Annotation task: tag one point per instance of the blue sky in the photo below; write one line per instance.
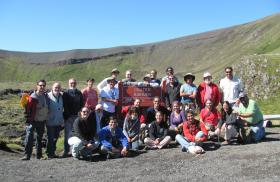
(55, 25)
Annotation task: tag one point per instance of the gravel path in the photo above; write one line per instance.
(254, 162)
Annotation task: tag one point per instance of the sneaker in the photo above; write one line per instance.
(226, 142)
(184, 149)
(25, 158)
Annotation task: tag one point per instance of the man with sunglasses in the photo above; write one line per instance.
(231, 86)
(37, 115)
(72, 103)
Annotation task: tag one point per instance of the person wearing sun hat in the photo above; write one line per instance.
(251, 116)
(147, 82)
(207, 90)
(188, 91)
(114, 74)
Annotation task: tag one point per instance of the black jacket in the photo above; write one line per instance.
(158, 130)
(72, 102)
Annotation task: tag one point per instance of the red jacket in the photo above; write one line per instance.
(31, 109)
(140, 116)
(190, 130)
(215, 95)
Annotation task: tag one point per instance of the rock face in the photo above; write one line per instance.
(260, 75)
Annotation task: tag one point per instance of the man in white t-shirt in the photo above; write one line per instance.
(231, 86)
(109, 96)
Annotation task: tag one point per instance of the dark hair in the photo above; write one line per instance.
(228, 67)
(44, 81)
(169, 68)
(189, 111)
(132, 109)
(90, 79)
(223, 112)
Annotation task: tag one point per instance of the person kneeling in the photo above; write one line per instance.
(82, 141)
(194, 134)
(113, 141)
(158, 130)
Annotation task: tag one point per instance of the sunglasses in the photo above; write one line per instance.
(41, 85)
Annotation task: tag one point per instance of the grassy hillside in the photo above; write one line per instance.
(197, 53)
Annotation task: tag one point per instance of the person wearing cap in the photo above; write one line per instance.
(188, 91)
(207, 90)
(251, 116)
(169, 71)
(153, 76)
(72, 102)
(231, 86)
(114, 74)
(147, 82)
(90, 95)
(128, 77)
(109, 96)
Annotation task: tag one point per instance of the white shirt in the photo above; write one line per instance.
(109, 94)
(231, 88)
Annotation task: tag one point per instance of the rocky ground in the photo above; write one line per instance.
(253, 162)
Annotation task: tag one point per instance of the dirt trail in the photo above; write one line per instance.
(254, 162)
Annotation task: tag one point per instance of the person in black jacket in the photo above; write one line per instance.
(72, 103)
(83, 137)
(158, 130)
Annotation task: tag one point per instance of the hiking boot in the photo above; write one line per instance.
(184, 149)
(25, 158)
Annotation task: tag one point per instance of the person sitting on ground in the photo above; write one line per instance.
(136, 103)
(128, 77)
(90, 95)
(100, 119)
(188, 92)
(207, 90)
(227, 124)
(169, 71)
(194, 134)
(37, 115)
(172, 92)
(251, 116)
(151, 111)
(55, 120)
(158, 133)
(114, 74)
(109, 96)
(131, 128)
(83, 140)
(210, 117)
(72, 102)
(113, 142)
(147, 82)
(153, 76)
(176, 120)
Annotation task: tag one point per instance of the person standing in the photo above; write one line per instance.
(55, 119)
(231, 86)
(188, 92)
(114, 74)
(128, 77)
(73, 103)
(109, 96)
(172, 92)
(37, 115)
(90, 95)
(153, 76)
(207, 90)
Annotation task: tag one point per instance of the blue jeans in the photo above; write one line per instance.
(68, 127)
(53, 134)
(184, 142)
(133, 145)
(39, 127)
(258, 131)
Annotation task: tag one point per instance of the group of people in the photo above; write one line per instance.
(94, 125)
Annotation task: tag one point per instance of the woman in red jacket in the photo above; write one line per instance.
(194, 132)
